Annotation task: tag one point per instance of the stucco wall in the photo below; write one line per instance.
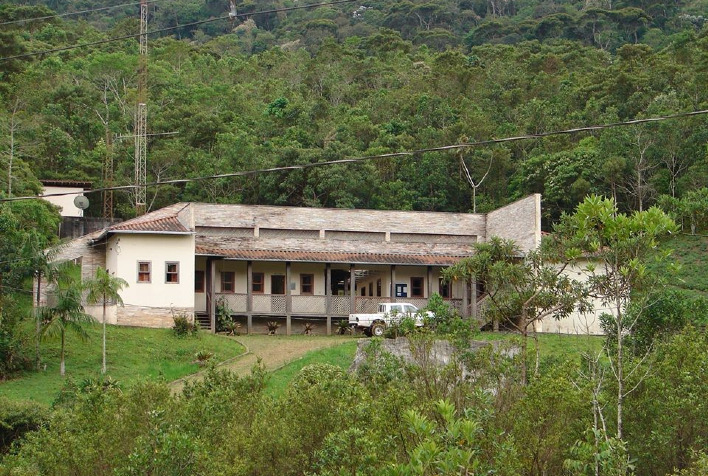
(519, 221)
(124, 251)
(578, 323)
(66, 202)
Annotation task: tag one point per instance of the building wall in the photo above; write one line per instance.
(578, 323)
(65, 202)
(151, 303)
(519, 221)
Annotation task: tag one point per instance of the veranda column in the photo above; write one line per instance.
(249, 296)
(474, 300)
(288, 299)
(211, 284)
(352, 289)
(328, 297)
(430, 282)
(465, 298)
(392, 291)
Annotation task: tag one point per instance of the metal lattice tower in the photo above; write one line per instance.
(141, 117)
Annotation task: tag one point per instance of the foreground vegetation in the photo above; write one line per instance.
(388, 418)
(134, 354)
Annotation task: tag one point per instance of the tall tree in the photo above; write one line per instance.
(104, 289)
(621, 246)
(523, 289)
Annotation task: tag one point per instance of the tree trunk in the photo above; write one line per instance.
(620, 371)
(524, 350)
(38, 330)
(62, 366)
(103, 368)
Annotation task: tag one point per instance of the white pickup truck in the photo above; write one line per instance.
(389, 312)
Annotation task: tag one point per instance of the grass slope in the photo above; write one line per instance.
(691, 253)
(341, 356)
(554, 348)
(132, 354)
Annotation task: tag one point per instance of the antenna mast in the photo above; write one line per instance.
(141, 117)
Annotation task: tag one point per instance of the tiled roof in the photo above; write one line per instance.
(356, 220)
(328, 257)
(333, 251)
(166, 219)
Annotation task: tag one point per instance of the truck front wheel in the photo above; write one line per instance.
(377, 329)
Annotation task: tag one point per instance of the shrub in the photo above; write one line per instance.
(202, 357)
(224, 320)
(272, 327)
(16, 419)
(184, 325)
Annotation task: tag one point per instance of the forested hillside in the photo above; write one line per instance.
(361, 79)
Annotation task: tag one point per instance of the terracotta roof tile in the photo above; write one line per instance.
(163, 220)
(328, 257)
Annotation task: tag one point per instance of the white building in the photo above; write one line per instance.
(287, 263)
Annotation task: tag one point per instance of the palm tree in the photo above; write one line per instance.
(104, 289)
(66, 314)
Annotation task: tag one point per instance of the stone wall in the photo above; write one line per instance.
(519, 221)
(143, 316)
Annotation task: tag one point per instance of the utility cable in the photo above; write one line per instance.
(170, 28)
(411, 153)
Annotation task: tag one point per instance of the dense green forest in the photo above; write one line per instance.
(302, 86)
(327, 83)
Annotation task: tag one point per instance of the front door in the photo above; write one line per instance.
(277, 284)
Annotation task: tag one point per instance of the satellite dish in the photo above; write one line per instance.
(81, 202)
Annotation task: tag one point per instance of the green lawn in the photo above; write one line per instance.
(690, 252)
(341, 355)
(132, 354)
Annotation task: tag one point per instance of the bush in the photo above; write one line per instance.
(185, 325)
(16, 419)
(224, 320)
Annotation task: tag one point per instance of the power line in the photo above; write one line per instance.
(170, 28)
(411, 153)
(81, 12)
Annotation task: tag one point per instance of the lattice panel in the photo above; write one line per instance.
(340, 305)
(417, 302)
(367, 305)
(277, 304)
(309, 304)
(261, 303)
(236, 302)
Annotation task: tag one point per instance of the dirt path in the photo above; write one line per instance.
(274, 351)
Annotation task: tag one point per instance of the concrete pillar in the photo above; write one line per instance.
(392, 291)
(352, 290)
(474, 299)
(328, 297)
(211, 294)
(465, 298)
(288, 300)
(430, 282)
(249, 297)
